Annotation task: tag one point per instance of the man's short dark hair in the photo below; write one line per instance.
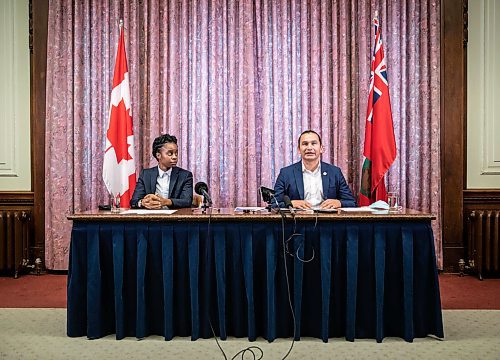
(309, 132)
(162, 140)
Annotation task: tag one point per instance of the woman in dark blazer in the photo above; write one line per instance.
(165, 185)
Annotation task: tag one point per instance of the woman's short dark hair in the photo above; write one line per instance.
(162, 140)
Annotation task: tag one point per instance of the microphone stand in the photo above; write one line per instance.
(289, 206)
(206, 204)
(278, 208)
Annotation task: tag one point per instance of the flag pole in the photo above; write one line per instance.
(118, 164)
(380, 146)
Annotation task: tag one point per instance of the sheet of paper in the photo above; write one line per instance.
(359, 209)
(148, 212)
(318, 209)
(249, 208)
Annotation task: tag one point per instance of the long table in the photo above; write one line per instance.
(352, 275)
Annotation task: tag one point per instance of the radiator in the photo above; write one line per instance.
(483, 239)
(14, 240)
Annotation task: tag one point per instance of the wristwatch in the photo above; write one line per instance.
(139, 204)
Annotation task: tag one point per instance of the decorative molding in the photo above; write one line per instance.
(491, 132)
(7, 95)
(15, 160)
(466, 22)
(31, 27)
(481, 196)
(483, 109)
(16, 198)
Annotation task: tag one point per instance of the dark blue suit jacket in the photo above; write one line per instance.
(290, 182)
(180, 190)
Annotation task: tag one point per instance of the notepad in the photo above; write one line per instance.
(249, 208)
(359, 209)
(318, 209)
(148, 212)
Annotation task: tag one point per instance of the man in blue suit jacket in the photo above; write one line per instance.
(310, 182)
(165, 185)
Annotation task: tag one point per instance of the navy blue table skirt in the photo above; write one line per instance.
(365, 280)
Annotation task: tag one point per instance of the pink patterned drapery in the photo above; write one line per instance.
(237, 82)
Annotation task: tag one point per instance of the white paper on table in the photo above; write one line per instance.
(249, 208)
(318, 209)
(358, 209)
(148, 212)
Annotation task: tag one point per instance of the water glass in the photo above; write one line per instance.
(115, 203)
(393, 201)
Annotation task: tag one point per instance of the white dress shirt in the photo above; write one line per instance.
(313, 185)
(163, 182)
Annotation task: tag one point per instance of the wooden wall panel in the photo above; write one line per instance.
(38, 45)
(453, 135)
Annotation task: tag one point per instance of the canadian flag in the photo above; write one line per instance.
(118, 170)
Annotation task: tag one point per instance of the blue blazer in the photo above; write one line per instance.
(290, 182)
(180, 190)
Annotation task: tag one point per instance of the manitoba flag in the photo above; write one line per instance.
(119, 167)
(380, 145)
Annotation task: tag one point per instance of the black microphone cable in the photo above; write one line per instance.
(284, 246)
(288, 204)
(256, 350)
(287, 286)
(295, 252)
(283, 218)
(250, 349)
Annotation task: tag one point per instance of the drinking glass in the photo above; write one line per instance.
(393, 201)
(115, 203)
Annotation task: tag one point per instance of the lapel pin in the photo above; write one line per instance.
(324, 173)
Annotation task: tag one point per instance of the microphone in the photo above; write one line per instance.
(202, 189)
(275, 201)
(288, 203)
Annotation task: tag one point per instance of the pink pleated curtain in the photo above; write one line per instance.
(237, 82)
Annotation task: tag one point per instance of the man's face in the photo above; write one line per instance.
(167, 156)
(309, 147)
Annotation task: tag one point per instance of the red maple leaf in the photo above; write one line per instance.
(120, 127)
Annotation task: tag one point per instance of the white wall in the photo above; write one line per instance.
(15, 153)
(483, 95)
